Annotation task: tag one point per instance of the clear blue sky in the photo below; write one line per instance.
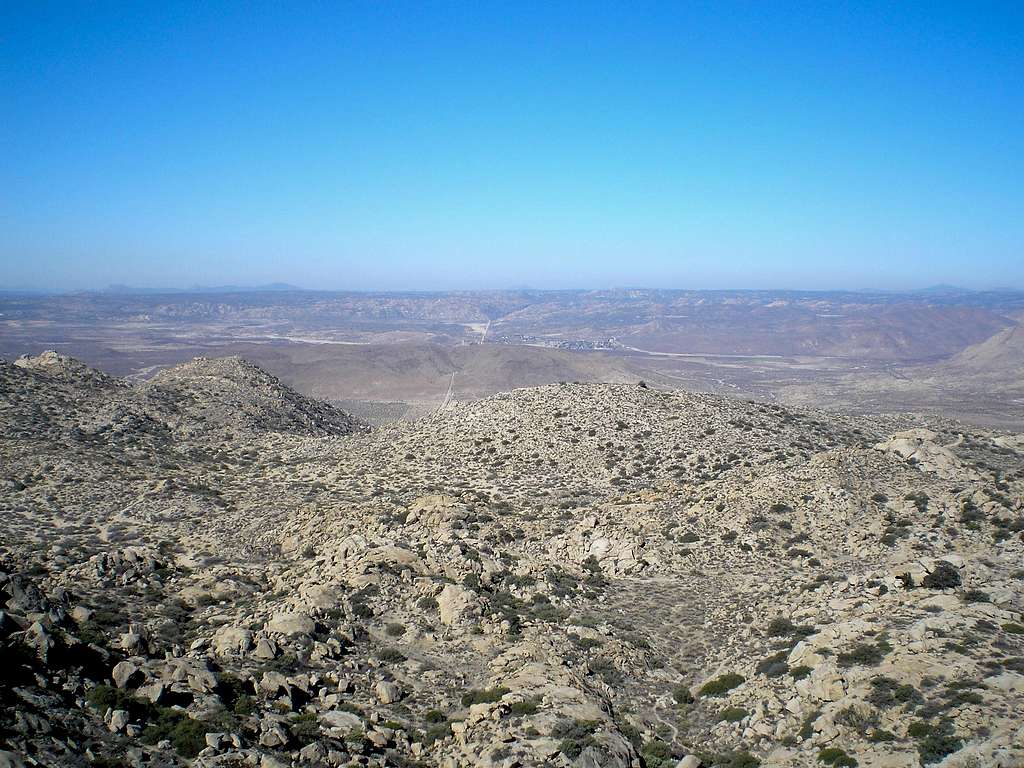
(485, 144)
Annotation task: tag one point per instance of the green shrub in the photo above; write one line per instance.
(800, 672)
(780, 626)
(737, 759)
(934, 742)
(436, 733)
(187, 736)
(920, 499)
(575, 735)
(864, 655)
(103, 697)
(607, 671)
(732, 714)
(721, 685)
(886, 692)
(391, 655)
(657, 754)
(1013, 628)
(856, 719)
(244, 705)
(774, 665)
(584, 643)
(525, 707)
(287, 663)
(356, 739)
(230, 689)
(836, 757)
(681, 693)
(483, 696)
(427, 603)
(976, 596)
(945, 576)
(807, 726)
(305, 729)
(919, 729)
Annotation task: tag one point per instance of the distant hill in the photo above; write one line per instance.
(219, 398)
(128, 290)
(422, 372)
(1003, 352)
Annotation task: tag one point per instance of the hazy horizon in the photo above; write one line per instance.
(283, 286)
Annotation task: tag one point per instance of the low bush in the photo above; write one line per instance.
(657, 754)
(800, 672)
(525, 707)
(934, 741)
(721, 685)
(575, 735)
(774, 665)
(103, 697)
(584, 643)
(435, 733)
(886, 692)
(607, 671)
(734, 759)
(780, 626)
(807, 726)
(187, 736)
(732, 714)
(304, 729)
(945, 576)
(427, 603)
(857, 719)
(681, 693)
(836, 757)
(483, 695)
(864, 654)
(391, 656)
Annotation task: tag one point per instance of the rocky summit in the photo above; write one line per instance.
(209, 569)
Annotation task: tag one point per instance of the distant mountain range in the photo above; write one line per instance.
(133, 290)
(939, 291)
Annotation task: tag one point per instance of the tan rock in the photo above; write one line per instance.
(456, 604)
(228, 641)
(291, 624)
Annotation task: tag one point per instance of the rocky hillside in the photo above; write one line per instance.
(230, 394)
(1002, 353)
(210, 569)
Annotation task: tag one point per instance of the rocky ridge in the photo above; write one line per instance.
(210, 568)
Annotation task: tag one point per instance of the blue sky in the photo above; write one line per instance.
(382, 144)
